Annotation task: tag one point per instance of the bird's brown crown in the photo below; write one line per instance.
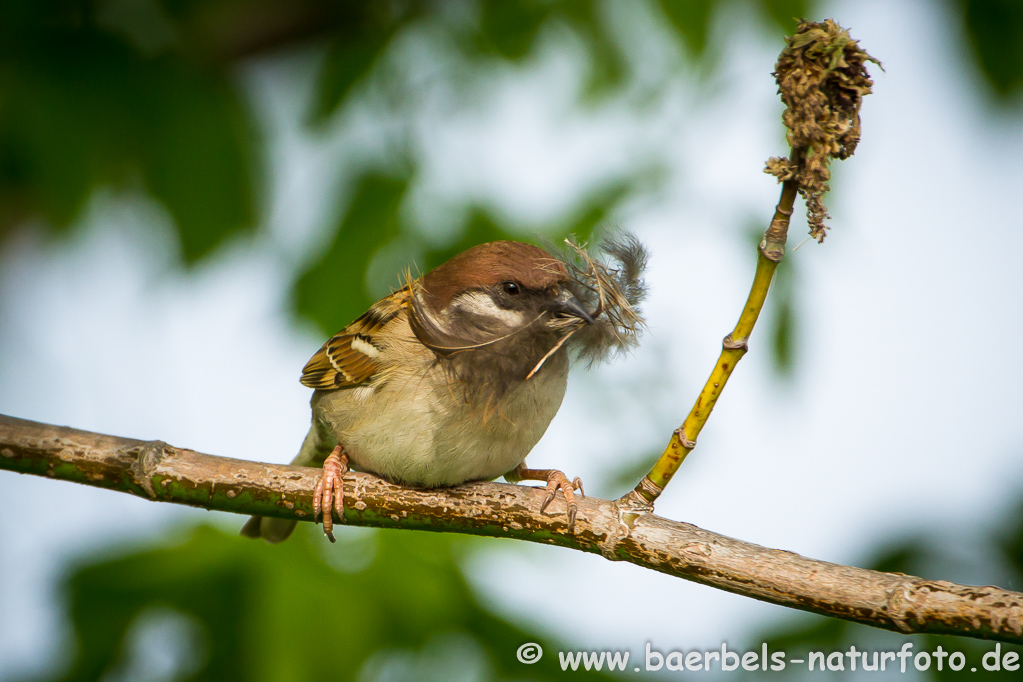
(489, 264)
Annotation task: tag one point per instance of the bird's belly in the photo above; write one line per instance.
(408, 435)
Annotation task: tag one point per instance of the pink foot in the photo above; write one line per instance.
(329, 495)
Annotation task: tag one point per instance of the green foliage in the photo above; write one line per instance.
(355, 46)
(122, 92)
(691, 20)
(784, 318)
(82, 107)
(784, 13)
(995, 31)
(391, 602)
(510, 28)
(117, 92)
(333, 291)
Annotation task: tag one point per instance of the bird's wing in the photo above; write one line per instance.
(351, 357)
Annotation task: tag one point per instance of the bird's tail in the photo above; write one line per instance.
(315, 449)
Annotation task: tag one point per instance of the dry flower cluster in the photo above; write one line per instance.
(822, 78)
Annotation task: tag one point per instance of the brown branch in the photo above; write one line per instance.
(155, 470)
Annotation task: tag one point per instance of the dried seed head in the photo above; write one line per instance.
(822, 78)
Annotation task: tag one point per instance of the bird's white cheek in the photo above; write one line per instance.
(478, 303)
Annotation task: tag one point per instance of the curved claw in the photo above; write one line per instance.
(328, 496)
(546, 501)
(555, 479)
(558, 480)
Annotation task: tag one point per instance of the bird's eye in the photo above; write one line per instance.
(510, 288)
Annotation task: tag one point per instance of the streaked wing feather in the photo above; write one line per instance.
(340, 363)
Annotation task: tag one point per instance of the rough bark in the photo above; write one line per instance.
(619, 530)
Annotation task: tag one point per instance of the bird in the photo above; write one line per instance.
(455, 376)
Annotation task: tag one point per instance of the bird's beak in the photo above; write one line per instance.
(567, 305)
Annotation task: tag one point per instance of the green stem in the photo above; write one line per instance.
(734, 346)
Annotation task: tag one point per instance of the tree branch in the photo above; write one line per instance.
(621, 531)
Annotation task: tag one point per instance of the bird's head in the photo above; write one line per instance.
(495, 289)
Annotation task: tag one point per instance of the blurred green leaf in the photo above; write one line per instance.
(355, 46)
(594, 213)
(510, 28)
(482, 227)
(195, 151)
(995, 30)
(332, 292)
(348, 60)
(625, 479)
(81, 108)
(782, 335)
(110, 92)
(691, 18)
(786, 13)
(784, 318)
(607, 66)
(301, 610)
(820, 634)
(1010, 544)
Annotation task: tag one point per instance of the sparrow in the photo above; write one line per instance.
(457, 375)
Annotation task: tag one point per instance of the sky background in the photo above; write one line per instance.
(901, 414)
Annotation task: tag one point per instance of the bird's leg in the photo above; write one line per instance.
(329, 495)
(555, 479)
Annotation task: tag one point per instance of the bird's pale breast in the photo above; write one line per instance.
(412, 427)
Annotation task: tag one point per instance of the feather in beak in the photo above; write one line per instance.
(607, 282)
